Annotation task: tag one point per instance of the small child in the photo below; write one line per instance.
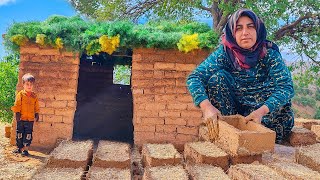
(26, 109)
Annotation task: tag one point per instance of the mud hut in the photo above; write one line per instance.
(80, 98)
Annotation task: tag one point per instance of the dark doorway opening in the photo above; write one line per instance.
(104, 98)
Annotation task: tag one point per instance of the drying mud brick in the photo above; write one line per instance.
(206, 153)
(316, 130)
(112, 155)
(301, 136)
(206, 172)
(58, 173)
(97, 173)
(165, 172)
(71, 154)
(306, 123)
(253, 172)
(238, 138)
(309, 156)
(160, 154)
(234, 159)
(7, 130)
(295, 171)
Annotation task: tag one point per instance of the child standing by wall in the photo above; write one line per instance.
(26, 109)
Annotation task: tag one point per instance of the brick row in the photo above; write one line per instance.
(177, 139)
(160, 67)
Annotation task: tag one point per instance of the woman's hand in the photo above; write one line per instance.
(209, 111)
(210, 119)
(256, 116)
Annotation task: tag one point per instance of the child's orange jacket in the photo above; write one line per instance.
(26, 105)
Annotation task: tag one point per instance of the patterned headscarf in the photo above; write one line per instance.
(246, 58)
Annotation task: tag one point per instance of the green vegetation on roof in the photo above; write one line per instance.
(76, 34)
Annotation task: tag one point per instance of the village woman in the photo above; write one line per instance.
(246, 75)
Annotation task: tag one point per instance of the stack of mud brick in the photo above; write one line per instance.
(205, 155)
(244, 142)
(56, 76)
(304, 164)
(163, 108)
(112, 160)
(305, 132)
(67, 161)
(204, 160)
(271, 171)
(309, 156)
(244, 145)
(76, 160)
(162, 161)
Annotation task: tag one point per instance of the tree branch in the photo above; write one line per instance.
(204, 8)
(315, 61)
(141, 8)
(283, 30)
(304, 46)
(215, 14)
(222, 23)
(220, 19)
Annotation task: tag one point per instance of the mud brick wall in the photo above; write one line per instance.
(56, 84)
(163, 109)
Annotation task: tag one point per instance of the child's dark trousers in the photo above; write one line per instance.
(24, 133)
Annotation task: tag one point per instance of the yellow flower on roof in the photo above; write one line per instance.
(59, 43)
(19, 39)
(188, 42)
(40, 39)
(109, 45)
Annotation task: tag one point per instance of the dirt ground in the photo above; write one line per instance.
(14, 166)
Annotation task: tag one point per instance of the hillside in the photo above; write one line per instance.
(306, 102)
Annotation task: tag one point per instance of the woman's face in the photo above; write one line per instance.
(246, 34)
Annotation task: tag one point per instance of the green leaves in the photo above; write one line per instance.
(122, 74)
(282, 17)
(9, 79)
(305, 73)
(79, 35)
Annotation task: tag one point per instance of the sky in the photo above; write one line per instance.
(39, 10)
(30, 10)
